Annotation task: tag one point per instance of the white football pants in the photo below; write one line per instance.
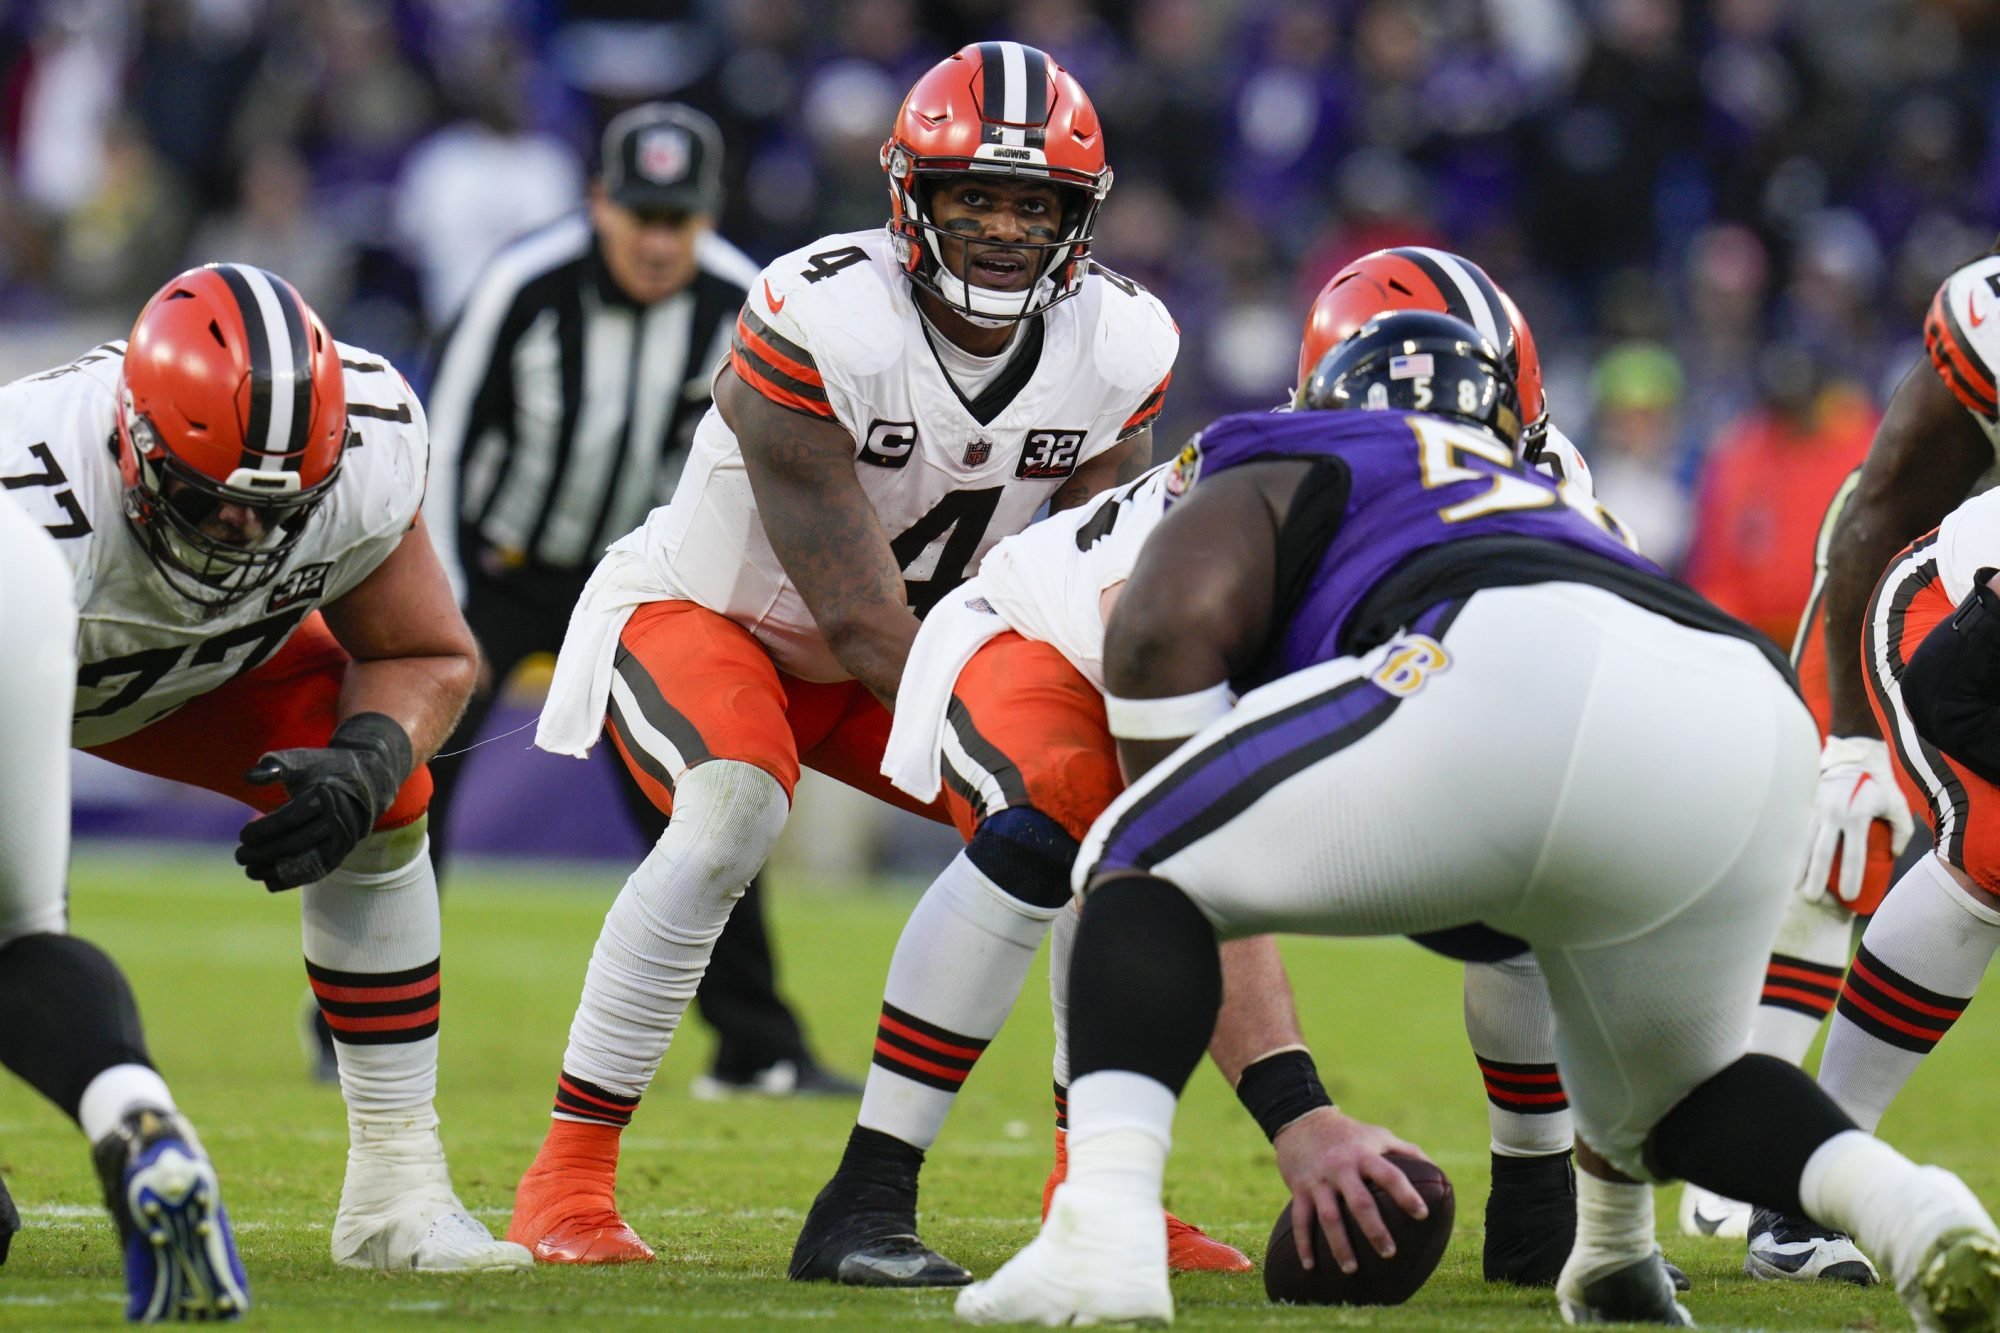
(38, 626)
(1627, 795)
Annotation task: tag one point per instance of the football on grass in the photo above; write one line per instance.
(1378, 1281)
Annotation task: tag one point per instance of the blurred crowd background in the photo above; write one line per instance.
(1723, 218)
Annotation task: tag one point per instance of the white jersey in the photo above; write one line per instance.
(1967, 541)
(833, 331)
(143, 650)
(1962, 336)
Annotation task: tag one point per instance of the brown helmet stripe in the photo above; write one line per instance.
(274, 329)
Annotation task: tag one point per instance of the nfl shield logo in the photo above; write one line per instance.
(978, 452)
(662, 155)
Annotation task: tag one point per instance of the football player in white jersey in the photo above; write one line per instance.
(1928, 942)
(896, 402)
(261, 615)
(69, 1027)
(1001, 707)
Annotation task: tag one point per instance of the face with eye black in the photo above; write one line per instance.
(990, 219)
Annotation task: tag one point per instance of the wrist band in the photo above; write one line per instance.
(1170, 719)
(1280, 1088)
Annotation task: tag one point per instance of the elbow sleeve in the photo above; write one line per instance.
(1951, 684)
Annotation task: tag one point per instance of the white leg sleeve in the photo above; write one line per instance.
(658, 936)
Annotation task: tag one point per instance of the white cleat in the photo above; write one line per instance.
(1101, 1259)
(1706, 1213)
(1946, 1262)
(398, 1214)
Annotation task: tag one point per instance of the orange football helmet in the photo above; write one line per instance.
(232, 421)
(1414, 277)
(996, 108)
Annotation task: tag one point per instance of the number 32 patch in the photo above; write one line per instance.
(1049, 453)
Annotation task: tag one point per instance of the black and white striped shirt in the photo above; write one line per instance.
(560, 409)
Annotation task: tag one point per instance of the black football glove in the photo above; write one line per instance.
(337, 794)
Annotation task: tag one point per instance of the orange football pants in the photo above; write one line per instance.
(1961, 808)
(701, 687)
(290, 702)
(1028, 731)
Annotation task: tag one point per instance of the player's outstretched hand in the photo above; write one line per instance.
(1328, 1161)
(336, 794)
(1856, 788)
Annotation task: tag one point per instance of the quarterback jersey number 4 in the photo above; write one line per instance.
(143, 650)
(832, 331)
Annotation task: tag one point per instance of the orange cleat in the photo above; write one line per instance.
(1189, 1248)
(1192, 1250)
(564, 1209)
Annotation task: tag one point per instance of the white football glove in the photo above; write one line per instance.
(1856, 788)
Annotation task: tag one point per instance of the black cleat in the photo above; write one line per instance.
(10, 1221)
(1530, 1219)
(782, 1078)
(864, 1233)
(1795, 1249)
(1639, 1293)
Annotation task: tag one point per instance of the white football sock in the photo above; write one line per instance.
(1919, 963)
(659, 934)
(1510, 1022)
(1802, 978)
(370, 932)
(1892, 1207)
(1121, 1125)
(1614, 1225)
(1062, 943)
(956, 973)
(114, 1092)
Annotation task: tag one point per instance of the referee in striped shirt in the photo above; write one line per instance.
(563, 400)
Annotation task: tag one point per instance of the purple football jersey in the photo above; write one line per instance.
(1416, 483)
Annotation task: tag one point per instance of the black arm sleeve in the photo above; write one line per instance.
(1951, 684)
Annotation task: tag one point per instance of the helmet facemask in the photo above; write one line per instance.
(1059, 265)
(175, 509)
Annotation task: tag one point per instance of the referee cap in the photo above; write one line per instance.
(664, 157)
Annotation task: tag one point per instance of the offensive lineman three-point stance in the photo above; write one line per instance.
(1463, 703)
(261, 615)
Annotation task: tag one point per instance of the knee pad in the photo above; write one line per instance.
(1027, 854)
(730, 814)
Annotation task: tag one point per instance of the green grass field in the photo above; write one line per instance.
(719, 1189)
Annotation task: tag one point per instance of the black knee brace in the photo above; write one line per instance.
(66, 1016)
(1026, 853)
